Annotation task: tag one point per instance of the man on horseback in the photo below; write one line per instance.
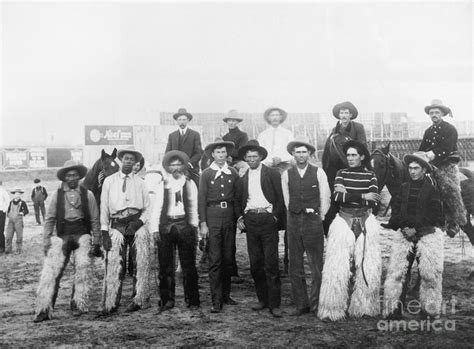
(440, 146)
(334, 158)
(416, 218)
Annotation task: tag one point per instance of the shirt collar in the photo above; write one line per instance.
(122, 175)
(182, 130)
(302, 169)
(225, 169)
(65, 187)
(258, 169)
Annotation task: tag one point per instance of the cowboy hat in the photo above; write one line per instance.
(17, 191)
(210, 147)
(255, 146)
(122, 152)
(182, 111)
(69, 166)
(36, 181)
(267, 112)
(358, 145)
(345, 105)
(420, 158)
(436, 103)
(292, 145)
(233, 115)
(174, 154)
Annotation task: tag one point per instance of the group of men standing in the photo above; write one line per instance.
(280, 190)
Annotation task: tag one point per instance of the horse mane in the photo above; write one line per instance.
(91, 179)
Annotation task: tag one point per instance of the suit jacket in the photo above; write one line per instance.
(441, 140)
(191, 145)
(271, 186)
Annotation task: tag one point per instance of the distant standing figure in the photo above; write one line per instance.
(39, 196)
(4, 201)
(15, 212)
(236, 136)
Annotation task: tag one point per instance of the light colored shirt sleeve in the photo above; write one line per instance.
(283, 136)
(50, 219)
(145, 216)
(193, 217)
(4, 200)
(104, 205)
(285, 189)
(324, 192)
(156, 201)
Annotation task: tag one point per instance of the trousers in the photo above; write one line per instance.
(15, 225)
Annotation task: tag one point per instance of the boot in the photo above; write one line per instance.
(43, 316)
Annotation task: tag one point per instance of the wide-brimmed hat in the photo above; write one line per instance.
(358, 145)
(252, 145)
(345, 105)
(267, 112)
(174, 154)
(17, 191)
(210, 147)
(419, 157)
(233, 115)
(291, 146)
(122, 152)
(182, 111)
(71, 165)
(436, 103)
(36, 181)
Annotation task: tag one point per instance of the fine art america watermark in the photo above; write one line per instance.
(425, 324)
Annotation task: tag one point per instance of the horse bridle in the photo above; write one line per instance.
(387, 157)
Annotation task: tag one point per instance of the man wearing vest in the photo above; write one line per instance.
(260, 199)
(39, 196)
(124, 210)
(307, 196)
(353, 242)
(17, 209)
(74, 213)
(218, 215)
(178, 228)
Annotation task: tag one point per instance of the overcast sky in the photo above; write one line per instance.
(68, 64)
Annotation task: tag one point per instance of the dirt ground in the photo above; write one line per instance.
(236, 326)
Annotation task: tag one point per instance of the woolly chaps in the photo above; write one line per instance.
(342, 250)
(53, 269)
(430, 255)
(447, 178)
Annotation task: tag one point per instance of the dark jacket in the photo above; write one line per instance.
(43, 191)
(239, 137)
(191, 145)
(271, 186)
(428, 213)
(330, 165)
(441, 139)
(23, 207)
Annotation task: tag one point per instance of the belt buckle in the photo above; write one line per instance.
(223, 204)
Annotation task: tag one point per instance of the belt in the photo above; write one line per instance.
(257, 210)
(221, 204)
(77, 221)
(126, 213)
(173, 219)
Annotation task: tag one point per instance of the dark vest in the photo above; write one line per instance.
(166, 202)
(60, 210)
(304, 192)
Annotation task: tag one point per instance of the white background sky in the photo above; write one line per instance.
(68, 64)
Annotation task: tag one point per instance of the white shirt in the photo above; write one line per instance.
(275, 140)
(324, 191)
(4, 200)
(154, 183)
(256, 198)
(182, 131)
(113, 200)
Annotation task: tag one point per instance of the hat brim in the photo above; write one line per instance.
(122, 152)
(17, 191)
(409, 158)
(174, 153)
(210, 147)
(283, 113)
(261, 150)
(177, 115)
(81, 169)
(446, 110)
(237, 119)
(294, 144)
(345, 105)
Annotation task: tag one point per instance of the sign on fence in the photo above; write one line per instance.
(37, 158)
(16, 158)
(108, 135)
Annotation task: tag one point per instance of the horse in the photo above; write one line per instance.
(392, 172)
(102, 168)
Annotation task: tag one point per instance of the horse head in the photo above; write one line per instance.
(380, 161)
(109, 166)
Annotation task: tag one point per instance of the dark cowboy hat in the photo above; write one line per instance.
(252, 145)
(291, 146)
(267, 112)
(210, 147)
(36, 181)
(436, 103)
(345, 105)
(420, 158)
(17, 191)
(71, 165)
(233, 115)
(182, 111)
(358, 145)
(122, 152)
(174, 154)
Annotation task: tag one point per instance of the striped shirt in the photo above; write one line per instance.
(356, 181)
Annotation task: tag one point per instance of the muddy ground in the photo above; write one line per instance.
(236, 326)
